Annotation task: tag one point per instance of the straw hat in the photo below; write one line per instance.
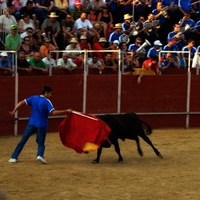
(102, 39)
(53, 15)
(127, 16)
(118, 26)
(74, 40)
(83, 37)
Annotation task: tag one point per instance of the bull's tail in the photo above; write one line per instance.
(147, 128)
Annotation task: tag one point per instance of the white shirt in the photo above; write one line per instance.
(49, 62)
(68, 64)
(91, 64)
(86, 24)
(6, 22)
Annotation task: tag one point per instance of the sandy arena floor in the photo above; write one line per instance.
(72, 176)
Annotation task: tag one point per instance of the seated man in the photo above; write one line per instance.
(22, 63)
(37, 63)
(5, 64)
(83, 26)
(109, 63)
(66, 63)
(95, 63)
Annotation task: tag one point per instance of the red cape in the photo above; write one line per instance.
(77, 129)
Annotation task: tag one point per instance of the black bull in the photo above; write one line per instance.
(126, 126)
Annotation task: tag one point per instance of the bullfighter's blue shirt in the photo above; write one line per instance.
(41, 107)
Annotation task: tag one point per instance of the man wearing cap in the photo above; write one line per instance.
(100, 45)
(116, 33)
(5, 63)
(154, 51)
(12, 40)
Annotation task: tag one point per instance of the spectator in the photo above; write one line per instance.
(189, 47)
(51, 24)
(50, 35)
(79, 60)
(169, 62)
(139, 52)
(37, 39)
(100, 45)
(27, 48)
(106, 19)
(171, 46)
(109, 63)
(84, 26)
(154, 51)
(6, 20)
(125, 7)
(161, 14)
(186, 21)
(46, 47)
(151, 65)
(139, 27)
(115, 35)
(113, 8)
(151, 26)
(78, 8)
(60, 7)
(84, 44)
(17, 5)
(37, 64)
(13, 40)
(130, 63)
(95, 63)
(66, 63)
(27, 33)
(196, 59)
(73, 46)
(5, 63)
(25, 23)
(97, 5)
(42, 8)
(49, 61)
(67, 26)
(28, 9)
(178, 35)
(22, 63)
(98, 26)
(127, 27)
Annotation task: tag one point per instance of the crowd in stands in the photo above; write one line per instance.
(140, 29)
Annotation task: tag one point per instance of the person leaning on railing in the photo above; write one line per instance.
(5, 64)
(37, 63)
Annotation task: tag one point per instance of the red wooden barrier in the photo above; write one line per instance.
(165, 93)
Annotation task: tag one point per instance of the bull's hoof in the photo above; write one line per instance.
(120, 160)
(95, 161)
(140, 153)
(160, 156)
